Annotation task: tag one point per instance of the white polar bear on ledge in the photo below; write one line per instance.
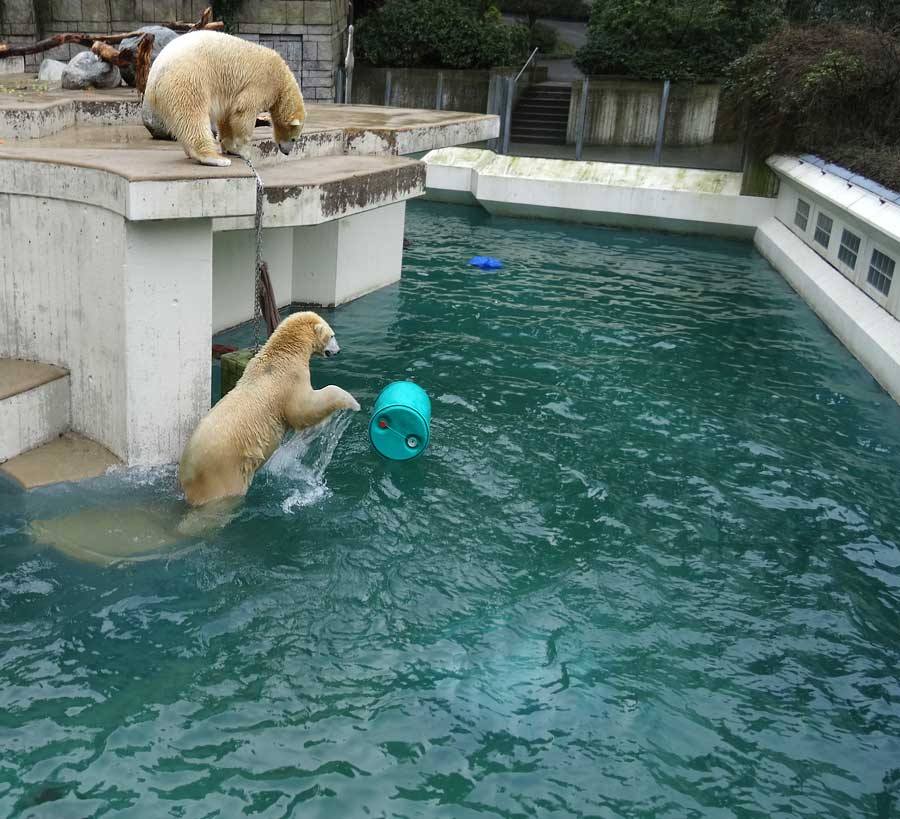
(208, 77)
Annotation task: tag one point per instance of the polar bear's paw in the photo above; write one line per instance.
(217, 161)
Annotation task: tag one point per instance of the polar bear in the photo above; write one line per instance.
(206, 77)
(239, 433)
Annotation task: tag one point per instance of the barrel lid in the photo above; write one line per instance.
(398, 432)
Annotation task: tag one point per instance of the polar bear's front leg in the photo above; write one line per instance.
(310, 408)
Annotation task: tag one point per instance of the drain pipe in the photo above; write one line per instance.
(661, 127)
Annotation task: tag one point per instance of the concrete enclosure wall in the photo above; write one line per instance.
(474, 90)
(307, 33)
(626, 112)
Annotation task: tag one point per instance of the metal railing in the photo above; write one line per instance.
(509, 101)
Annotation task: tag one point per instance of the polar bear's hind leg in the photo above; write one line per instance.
(193, 132)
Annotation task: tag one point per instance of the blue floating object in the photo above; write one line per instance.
(486, 262)
(401, 420)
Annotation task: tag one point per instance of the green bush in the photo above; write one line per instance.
(830, 89)
(560, 9)
(673, 39)
(544, 37)
(438, 34)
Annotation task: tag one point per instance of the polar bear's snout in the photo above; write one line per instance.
(285, 147)
(332, 347)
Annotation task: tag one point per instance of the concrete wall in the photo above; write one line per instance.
(626, 112)
(124, 306)
(417, 88)
(473, 90)
(602, 193)
(307, 33)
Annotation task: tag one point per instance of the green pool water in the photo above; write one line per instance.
(648, 567)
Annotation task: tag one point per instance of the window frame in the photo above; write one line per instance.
(809, 210)
(823, 214)
(879, 295)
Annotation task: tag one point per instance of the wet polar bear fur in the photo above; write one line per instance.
(208, 77)
(242, 431)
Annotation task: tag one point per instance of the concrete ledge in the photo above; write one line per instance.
(35, 405)
(866, 330)
(677, 199)
(68, 458)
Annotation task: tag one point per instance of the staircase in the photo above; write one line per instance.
(36, 447)
(542, 114)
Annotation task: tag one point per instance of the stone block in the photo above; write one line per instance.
(249, 31)
(294, 29)
(124, 9)
(14, 65)
(317, 82)
(95, 12)
(248, 12)
(65, 10)
(164, 10)
(272, 11)
(325, 51)
(19, 11)
(295, 12)
(318, 12)
(233, 366)
(317, 30)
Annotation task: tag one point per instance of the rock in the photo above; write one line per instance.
(152, 123)
(51, 70)
(87, 70)
(162, 36)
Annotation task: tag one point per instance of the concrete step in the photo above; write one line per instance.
(538, 131)
(35, 406)
(540, 118)
(70, 457)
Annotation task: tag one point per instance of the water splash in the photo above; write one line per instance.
(303, 458)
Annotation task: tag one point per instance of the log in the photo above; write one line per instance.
(88, 40)
(142, 61)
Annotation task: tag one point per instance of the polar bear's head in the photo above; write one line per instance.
(286, 134)
(303, 334)
(288, 112)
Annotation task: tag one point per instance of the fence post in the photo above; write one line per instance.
(439, 96)
(661, 126)
(507, 116)
(339, 86)
(387, 87)
(582, 116)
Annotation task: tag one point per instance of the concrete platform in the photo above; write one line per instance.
(71, 457)
(329, 129)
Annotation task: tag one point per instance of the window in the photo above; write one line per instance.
(801, 217)
(823, 229)
(881, 271)
(849, 249)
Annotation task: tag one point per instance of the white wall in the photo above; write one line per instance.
(875, 222)
(234, 259)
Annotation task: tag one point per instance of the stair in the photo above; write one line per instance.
(36, 446)
(34, 405)
(542, 114)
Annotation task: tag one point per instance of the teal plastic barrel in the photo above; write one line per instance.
(400, 421)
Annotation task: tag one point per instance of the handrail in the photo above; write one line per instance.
(527, 63)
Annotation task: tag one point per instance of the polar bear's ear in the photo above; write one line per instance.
(322, 333)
